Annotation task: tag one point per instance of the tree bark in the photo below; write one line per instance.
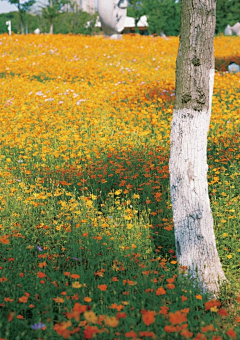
(51, 27)
(192, 216)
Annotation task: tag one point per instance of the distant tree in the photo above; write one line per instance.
(53, 10)
(23, 8)
(77, 23)
(163, 16)
(135, 10)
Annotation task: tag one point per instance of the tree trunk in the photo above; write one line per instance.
(192, 216)
(51, 27)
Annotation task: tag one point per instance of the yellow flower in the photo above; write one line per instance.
(76, 284)
(214, 309)
(129, 226)
(229, 256)
(90, 316)
(111, 321)
(118, 192)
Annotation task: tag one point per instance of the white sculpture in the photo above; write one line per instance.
(236, 29)
(8, 23)
(233, 67)
(228, 30)
(112, 14)
(232, 30)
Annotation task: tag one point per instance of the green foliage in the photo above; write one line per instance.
(23, 8)
(163, 16)
(65, 22)
(227, 14)
(76, 23)
(135, 10)
(31, 22)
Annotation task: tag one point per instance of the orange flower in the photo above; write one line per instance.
(79, 308)
(222, 312)
(23, 299)
(117, 307)
(121, 315)
(231, 333)
(58, 299)
(147, 334)
(62, 329)
(114, 279)
(199, 297)
(4, 239)
(75, 276)
(169, 328)
(87, 299)
(8, 299)
(102, 287)
(131, 334)
(186, 334)
(177, 318)
(42, 264)
(208, 328)
(111, 321)
(164, 310)
(41, 275)
(185, 310)
(3, 279)
(90, 331)
(160, 291)
(212, 303)
(148, 317)
(200, 337)
(10, 316)
(170, 286)
(184, 298)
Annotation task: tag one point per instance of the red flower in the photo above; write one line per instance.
(177, 318)
(212, 303)
(102, 287)
(131, 334)
(223, 312)
(41, 275)
(148, 317)
(231, 333)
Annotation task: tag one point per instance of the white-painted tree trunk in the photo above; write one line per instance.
(51, 28)
(192, 216)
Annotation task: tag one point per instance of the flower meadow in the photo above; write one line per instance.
(86, 233)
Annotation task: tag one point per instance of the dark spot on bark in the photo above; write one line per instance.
(178, 248)
(201, 99)
(197, 107)
(186, 98)
(196, 61)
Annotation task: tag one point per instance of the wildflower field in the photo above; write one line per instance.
(86, 233)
